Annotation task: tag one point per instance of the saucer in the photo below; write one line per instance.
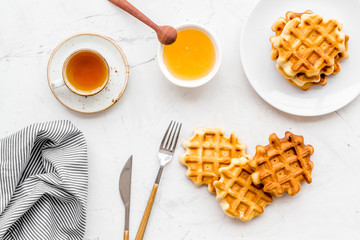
(118, 66)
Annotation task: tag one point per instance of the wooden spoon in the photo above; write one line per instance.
(166, 34)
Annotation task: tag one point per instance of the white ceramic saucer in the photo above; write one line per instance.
(119, 72)
(261, 71)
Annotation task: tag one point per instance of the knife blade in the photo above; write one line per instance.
(125, 190)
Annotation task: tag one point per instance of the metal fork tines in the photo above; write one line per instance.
(165, 155)
(167, 146)
(169, 140)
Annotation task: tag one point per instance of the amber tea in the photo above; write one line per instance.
(86, 72)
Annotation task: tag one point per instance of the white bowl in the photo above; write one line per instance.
(196, 82)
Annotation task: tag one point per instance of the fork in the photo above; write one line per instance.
(165, 155)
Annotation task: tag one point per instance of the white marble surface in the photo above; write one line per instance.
(29, 30)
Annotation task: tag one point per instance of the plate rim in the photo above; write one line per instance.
(288, 111)
(97, 35)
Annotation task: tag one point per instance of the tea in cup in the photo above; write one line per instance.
(85, 72)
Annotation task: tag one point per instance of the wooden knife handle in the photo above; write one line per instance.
(126, 235)
(142, 227)
(129, 8)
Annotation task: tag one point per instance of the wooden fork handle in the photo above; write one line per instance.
(142, 227)
(129, 8)
(126, 235)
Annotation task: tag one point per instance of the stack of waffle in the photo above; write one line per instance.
(307, 49)
(244, 185)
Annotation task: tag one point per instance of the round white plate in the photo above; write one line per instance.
(261, 71)
(119, 72)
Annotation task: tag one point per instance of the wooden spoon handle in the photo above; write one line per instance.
(142, 227)
(126, 235)
(129, 8)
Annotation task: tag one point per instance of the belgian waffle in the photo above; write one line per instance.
(283, 164)
(238, 196)
(307, 49)
(207, 152)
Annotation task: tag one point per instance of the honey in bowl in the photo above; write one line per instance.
(192, 56)
(86, 72)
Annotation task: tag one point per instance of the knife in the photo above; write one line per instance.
(125, 189)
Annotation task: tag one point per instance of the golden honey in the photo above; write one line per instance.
(191, 56)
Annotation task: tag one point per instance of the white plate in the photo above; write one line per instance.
(119, 72)
(261, 71)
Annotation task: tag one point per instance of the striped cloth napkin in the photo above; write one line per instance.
(43, 183)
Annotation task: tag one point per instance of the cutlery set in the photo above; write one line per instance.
(165, 155)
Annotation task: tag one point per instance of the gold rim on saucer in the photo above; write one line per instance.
(123, 58)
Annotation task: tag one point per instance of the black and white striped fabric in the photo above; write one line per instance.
(43, 183)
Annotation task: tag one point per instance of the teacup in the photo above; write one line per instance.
(85, 72)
